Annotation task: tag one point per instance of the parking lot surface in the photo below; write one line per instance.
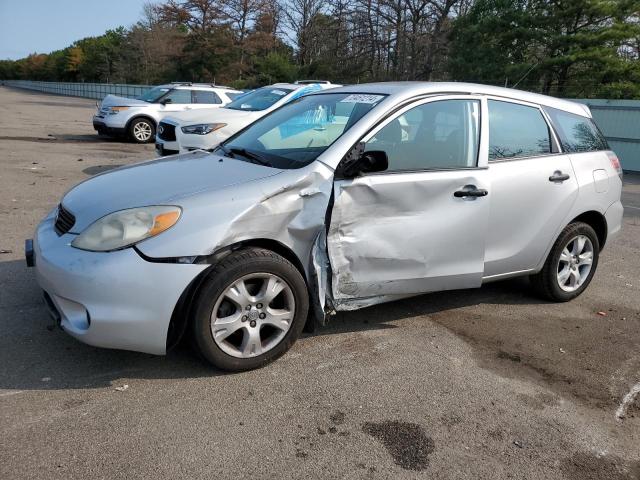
(490, 383)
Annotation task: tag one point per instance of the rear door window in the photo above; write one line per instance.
(577, 133)
(517, 131)
(204, 96)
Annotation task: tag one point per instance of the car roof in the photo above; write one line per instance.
(204, 86)
(407, 90)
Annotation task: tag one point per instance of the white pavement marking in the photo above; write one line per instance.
(629, 206)
(626, 400)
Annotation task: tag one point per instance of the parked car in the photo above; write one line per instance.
(204, 130)
(138, 118)
(336, 201)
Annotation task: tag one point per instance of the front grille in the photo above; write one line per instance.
(167, 132)
(64, 220)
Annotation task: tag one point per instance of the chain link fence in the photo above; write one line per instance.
(87, 90)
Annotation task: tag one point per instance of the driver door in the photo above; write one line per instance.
(420, 225)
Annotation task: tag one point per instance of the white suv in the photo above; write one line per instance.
(204, 130)
(138, 117)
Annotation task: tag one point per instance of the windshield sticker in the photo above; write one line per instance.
(362, 98)
(278, 92)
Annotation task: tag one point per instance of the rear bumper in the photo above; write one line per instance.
(613, 217)
(108, 299)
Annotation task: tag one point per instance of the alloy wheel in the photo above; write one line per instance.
(142, 131)
(575, 262)
(252, 315)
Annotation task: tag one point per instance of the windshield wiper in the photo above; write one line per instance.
(255, 158)
(226, 151)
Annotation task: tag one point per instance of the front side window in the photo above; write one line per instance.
(297, 133)
(577, 134)
(178, 96)
(260, 99)
(204, 96)
(517, 131)
(436, 135)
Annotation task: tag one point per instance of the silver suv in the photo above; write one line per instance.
(138, 118)
(339, 200)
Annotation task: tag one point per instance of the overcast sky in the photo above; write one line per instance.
(41, 26)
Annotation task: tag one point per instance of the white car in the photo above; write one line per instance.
(137, 118)
(204, 130)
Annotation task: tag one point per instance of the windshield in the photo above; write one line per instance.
(297, 133)
(235, 95)
(154, 94)
(260, 99)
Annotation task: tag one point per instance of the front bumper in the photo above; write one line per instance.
(100, 125)
(165, 147)
(108, 299)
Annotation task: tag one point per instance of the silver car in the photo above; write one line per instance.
(339, 200)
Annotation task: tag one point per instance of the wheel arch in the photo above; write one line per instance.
(597, 221)
(141, 115)
(182, 312)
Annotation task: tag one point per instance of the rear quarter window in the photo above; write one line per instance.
(576, 133)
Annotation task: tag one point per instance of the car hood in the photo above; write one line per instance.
(158, 182)
(211, 115)
(114, 100)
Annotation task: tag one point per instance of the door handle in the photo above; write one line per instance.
(558, 176)
(472, 192)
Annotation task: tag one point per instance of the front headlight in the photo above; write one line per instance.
(202, 128)
(126, 227)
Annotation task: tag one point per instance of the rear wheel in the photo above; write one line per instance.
(142, 130)
(250, 310)
(570, 265)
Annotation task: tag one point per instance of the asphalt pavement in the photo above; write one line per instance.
(477, 384)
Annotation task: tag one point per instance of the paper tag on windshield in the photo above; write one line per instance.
(278, 92)
(362, 98)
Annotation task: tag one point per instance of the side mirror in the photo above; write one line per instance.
(166, 101)
(374, 161)
(358, 161)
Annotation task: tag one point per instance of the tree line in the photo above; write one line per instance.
(570, 48)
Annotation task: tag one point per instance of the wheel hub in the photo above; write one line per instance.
(252, 315)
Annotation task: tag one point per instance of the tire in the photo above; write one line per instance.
(142, 130)
(550, 282)
(220, 310)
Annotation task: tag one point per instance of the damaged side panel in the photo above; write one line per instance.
(397, 235)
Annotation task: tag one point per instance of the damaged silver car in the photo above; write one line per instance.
(340, 200)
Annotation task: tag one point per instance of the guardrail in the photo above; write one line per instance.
(87, 90)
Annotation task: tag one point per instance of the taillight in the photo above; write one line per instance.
(615, 163)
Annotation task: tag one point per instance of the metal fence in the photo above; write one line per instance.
(619, 120)
(87, 90)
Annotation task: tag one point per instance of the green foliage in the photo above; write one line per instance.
(571, 48)
(564, 47)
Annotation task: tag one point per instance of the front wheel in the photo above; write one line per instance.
(142, 130)
(571, 264)
(250, 310)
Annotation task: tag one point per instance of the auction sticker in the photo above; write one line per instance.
(362, 98)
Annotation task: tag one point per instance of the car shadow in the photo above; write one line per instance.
(37, 355)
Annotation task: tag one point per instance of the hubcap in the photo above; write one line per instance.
(252, 315)
(575, 263)
(142, 131)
